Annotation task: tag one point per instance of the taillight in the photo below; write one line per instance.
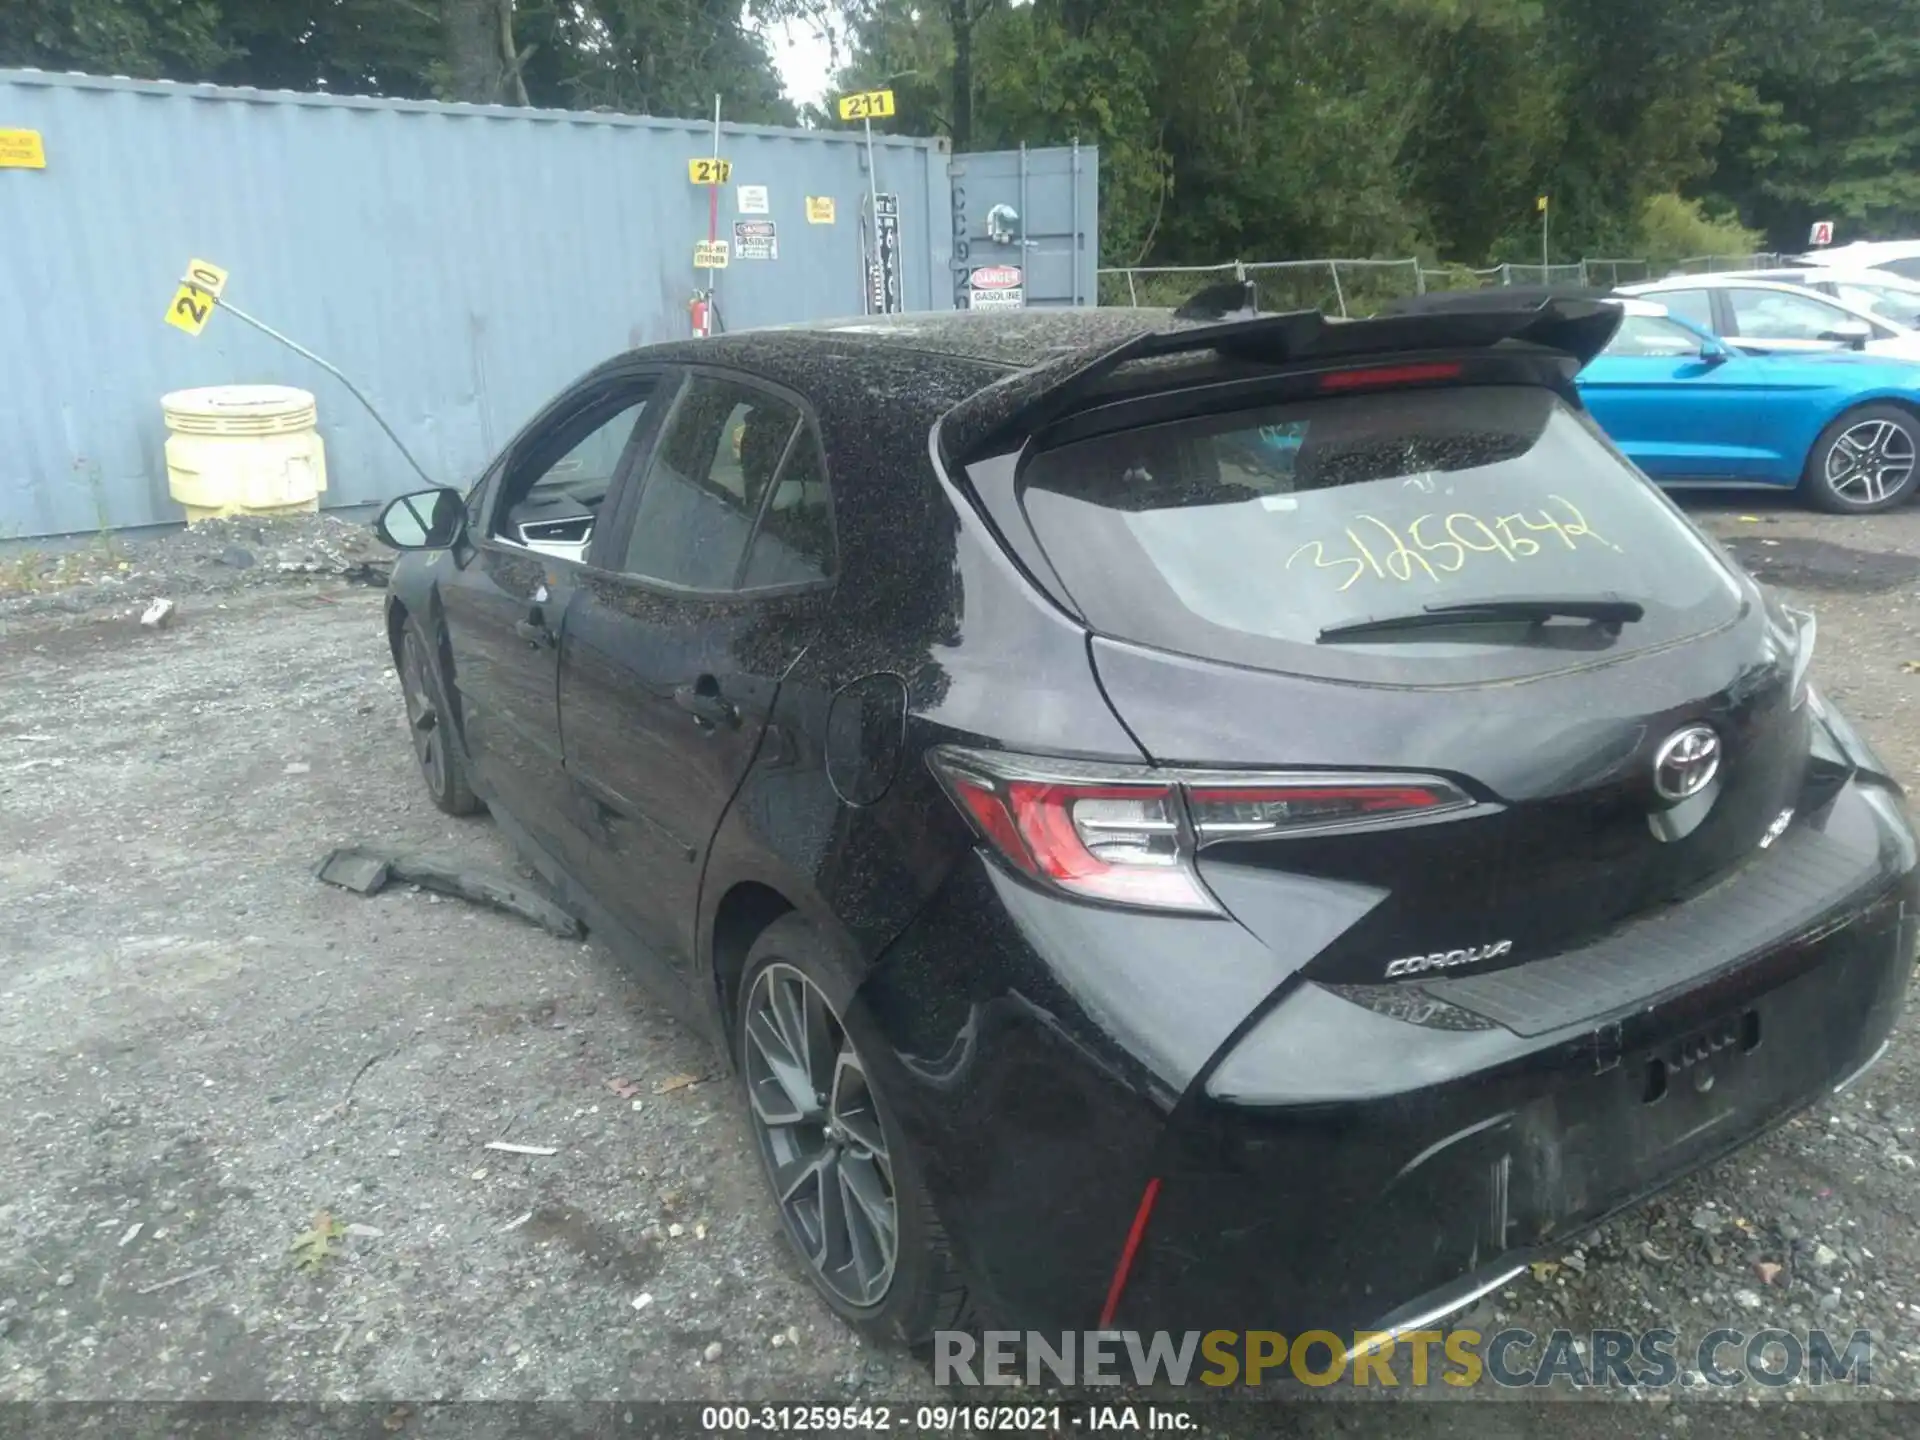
(1242, 811)
(1128, 836)
(1381, 377)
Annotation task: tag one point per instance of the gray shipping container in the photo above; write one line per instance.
(460, 262)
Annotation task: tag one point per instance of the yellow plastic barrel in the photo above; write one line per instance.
(244, 450)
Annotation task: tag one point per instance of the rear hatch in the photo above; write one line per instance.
(1464, 587)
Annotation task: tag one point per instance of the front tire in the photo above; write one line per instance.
(844, 1180)
(1864, 462)
(443, 765)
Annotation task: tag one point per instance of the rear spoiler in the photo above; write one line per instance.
(1577, 326)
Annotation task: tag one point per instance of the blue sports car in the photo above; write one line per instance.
(1843, 427)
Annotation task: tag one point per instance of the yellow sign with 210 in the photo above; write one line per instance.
(192, 304)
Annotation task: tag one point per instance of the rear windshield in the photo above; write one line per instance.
(1243, 537)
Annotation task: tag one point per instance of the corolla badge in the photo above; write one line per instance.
(1686, 762)
(1448, 959)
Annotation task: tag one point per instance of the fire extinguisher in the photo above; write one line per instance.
(700, 311)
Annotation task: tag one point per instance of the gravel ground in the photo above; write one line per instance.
(202, 1050)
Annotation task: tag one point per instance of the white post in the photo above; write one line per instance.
(873, 210)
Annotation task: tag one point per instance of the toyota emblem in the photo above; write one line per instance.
(1686, 763)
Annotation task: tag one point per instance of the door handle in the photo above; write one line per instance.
(703, 700)
(534, 630)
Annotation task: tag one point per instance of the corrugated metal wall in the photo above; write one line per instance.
(461, 263)
(1056, 195)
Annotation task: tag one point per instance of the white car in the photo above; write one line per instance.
(1768, 315)
(1880, 292)
(1896, 257)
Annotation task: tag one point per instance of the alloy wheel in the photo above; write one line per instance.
(423, 716)
(820, 1134)
(1869, 461)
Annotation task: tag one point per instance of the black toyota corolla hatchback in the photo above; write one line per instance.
(1178, 820)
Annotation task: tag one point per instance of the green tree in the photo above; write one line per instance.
(151, 39)
(1829, 128)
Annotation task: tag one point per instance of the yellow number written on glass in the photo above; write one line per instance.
(1434, 546)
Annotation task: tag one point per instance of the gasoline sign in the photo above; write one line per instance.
(756, 240)
(996, 287)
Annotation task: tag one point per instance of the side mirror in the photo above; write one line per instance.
(1853, 334)
(424, 520)
(1712, 352)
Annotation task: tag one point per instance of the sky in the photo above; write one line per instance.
(800, 54)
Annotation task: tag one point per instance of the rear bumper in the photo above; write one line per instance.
(1339, 1159)
(1348, 1214)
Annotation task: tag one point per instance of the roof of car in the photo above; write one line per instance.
(1830, 274)
(1014, 340)
(1718, 280)
(1862, 252)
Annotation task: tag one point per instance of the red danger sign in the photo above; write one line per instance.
(995, 277)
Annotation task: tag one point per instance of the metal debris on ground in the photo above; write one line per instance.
(676, 1082)
(507, 1147)
(158, 615)
(159, 1285)
(367, 869)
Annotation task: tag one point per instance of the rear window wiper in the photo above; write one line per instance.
(1608, 610)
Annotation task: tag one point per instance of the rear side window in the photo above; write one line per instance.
(1243, 537)
(703, 488)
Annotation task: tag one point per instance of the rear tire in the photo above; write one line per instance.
(436, 746)
(833, 1155)
(1866, 461)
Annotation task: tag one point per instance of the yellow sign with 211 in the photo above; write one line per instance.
(867, 105)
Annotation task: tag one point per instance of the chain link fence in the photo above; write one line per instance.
(1707, 264)
(1360, 287)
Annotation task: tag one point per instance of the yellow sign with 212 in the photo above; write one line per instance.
(192, 304)
(703, 171)
(867, 105)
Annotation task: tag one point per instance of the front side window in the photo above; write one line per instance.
(1902, 307)
(553, 488)
(1693, 306)
(1264, 537)
(1649, 336)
